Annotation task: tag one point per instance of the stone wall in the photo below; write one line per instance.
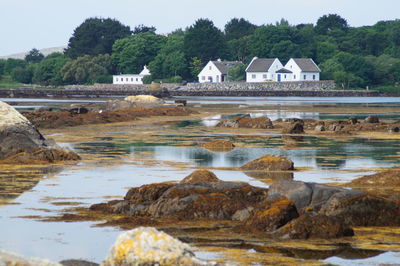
(119, 87)
(262, 86)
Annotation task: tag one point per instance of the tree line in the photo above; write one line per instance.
(100, 47)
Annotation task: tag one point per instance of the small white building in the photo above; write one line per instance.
(216, 71)
(131, 78)
(263, 69)
(302, 69)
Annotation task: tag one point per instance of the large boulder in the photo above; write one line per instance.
(314, 226)
(305, 195)
(271, 215)
(144, 99)
(200, 176)
(294, 128)
(21, 142)
(194, 197)
(148, 246)
(372, 119)
(363, 210)
(269, 163)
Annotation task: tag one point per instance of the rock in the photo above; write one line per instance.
(188, 201)
(219, 145)
(200, 176)
(112, 105)
(363, 210)
(305, 195)
(295, 128)
(372, 119)
(269, 163)
(352, 120)
(148, 246)
(44, 109)
(12, 259)
(394, 130)
(293, 120)
(271, 215)
(319, 128)
(78, 110)
(242, 215)
(78, 263)
(21, 142)
(247, 122)
(314, 226)
(143, 99)
(181, 102)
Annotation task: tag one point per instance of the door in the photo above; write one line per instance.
(279, 77)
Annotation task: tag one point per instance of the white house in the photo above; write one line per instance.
(216, 71)
(263, 69)
(301, 69)
(131, 78)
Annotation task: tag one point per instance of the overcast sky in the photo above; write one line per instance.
(27, 24)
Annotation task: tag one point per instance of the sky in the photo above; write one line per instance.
(27, 24)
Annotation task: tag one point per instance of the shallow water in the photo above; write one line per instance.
(125, 159)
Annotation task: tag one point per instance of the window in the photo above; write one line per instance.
(126, 79)
(294, 76)
(203, 78)
(137, 79)
(131, 79)
(217, 78)
(291, 66)
(209, 67)
(253, 76)
(264, 76)
(285, 76)
(305, 77)
(116, 79)
(313, 77)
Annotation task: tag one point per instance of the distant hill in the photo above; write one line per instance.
(45, 51)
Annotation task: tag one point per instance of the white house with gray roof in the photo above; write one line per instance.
(300, 69)
(131, 78)
(263, 69)
(216, 71)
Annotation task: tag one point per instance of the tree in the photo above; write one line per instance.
(239, 49)
(325, 50)
(237, 72)
(96, 36)
(23, 75)
(132, 53)
(34, 56)
(204, 41)
(327, 23)
(142, 28)
(86, 69)
(2, 66)
(347, 80)
(170, 60)
(12, 63)
(284, 50)
(48, 71)
(195, 67)
(238, 28)
(329, 67)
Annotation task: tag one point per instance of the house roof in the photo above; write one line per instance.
(307, 65)
(224, 66)
(284, 70)
(260, 65)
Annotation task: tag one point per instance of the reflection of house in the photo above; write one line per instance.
(131, 78)
(268, 69)
(262, 69)
(216, 71)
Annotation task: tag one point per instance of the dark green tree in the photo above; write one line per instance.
(2, 66)
(284, 50)
(23, 75)
(96, 36)
(204, 41)
(142, 28)
(195, 66)
(34, 56)
(237, 72)
(48, 71)
(12, 63)
(239, 49)
(238, 28)
(327, 23)
(132, 53)
(325, 50)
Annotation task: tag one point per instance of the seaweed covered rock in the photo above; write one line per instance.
(189, 200)
(271, 215)
(269, 163)
(294, 128)
(219, 145)
(200, 176)
(314, 226)
(363, 210)
(148, 246)
(372, 119)
(12, 259)
(21, 142)
(247, 122)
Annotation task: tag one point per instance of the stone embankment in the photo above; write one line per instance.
(323, 88)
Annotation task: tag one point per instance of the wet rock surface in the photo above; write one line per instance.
(12, 259)
(294, 128)
(269, 163)
(219, 145)
(21, 142)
